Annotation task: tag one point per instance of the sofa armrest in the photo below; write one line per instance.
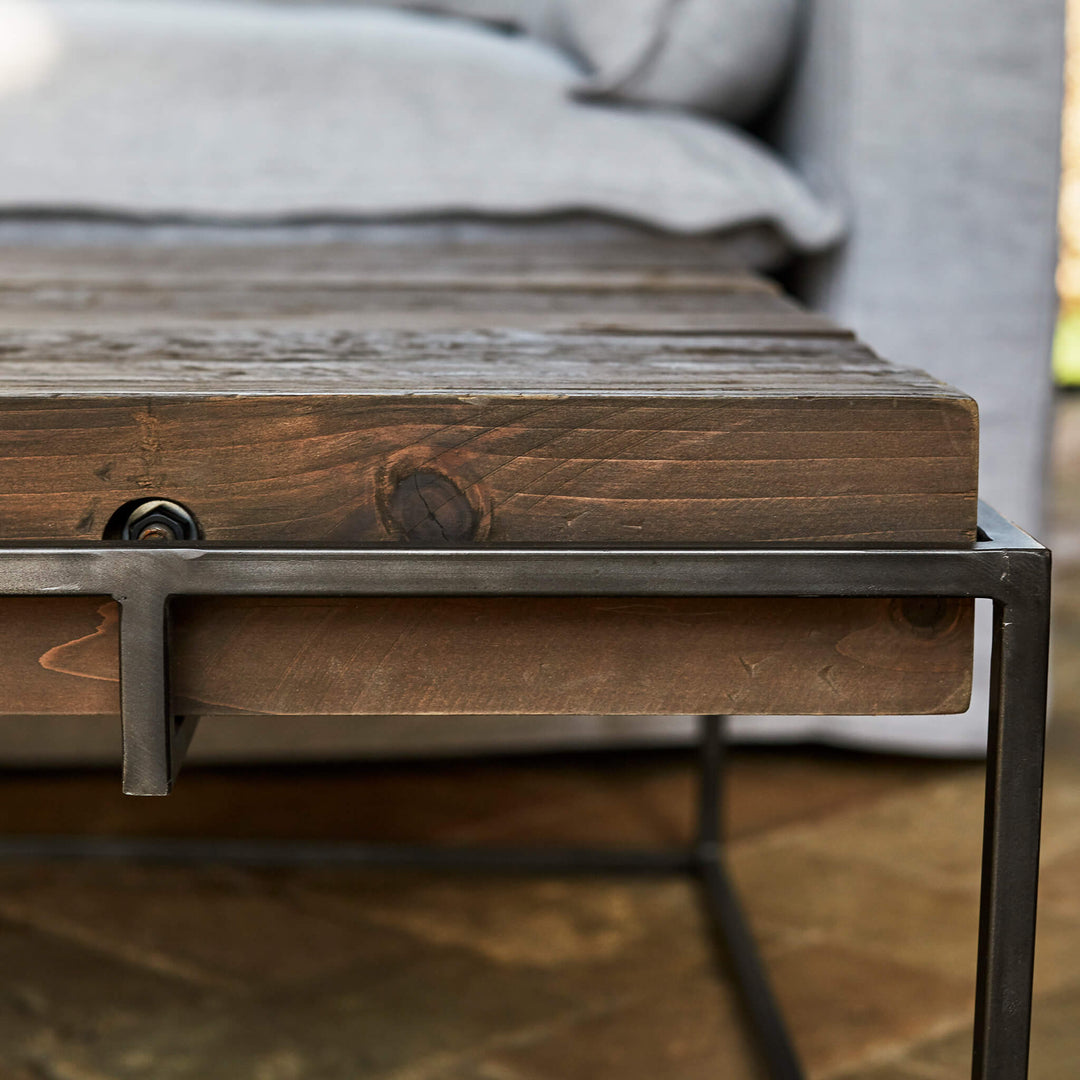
(937, 123)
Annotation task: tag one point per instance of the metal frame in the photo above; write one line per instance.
(1005, 565)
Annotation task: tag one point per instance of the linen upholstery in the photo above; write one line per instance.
(937, 123)
(286, 111)
(724, 57)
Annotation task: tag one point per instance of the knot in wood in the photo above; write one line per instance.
(428, 508)
(927, 616)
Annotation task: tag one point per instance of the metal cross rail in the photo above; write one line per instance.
(1005, 565)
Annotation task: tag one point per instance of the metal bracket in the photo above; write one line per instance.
(1004, 564)
(144, 578)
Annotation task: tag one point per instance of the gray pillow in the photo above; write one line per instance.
(240, 110)
(725, 57)
(722, 56)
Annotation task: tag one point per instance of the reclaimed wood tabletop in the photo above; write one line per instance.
(472, 394)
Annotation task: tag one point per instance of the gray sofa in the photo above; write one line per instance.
(936, 124)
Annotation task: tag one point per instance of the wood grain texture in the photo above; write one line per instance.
(392, 254)
(272, 437)
(630, 286)
(627, 393)
(544, 656)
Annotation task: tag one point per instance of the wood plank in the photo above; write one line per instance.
(213, 362)
(389, 256)
(491, 656)
(624, 312)
(486, 437)
(423, 310)
(627, 287)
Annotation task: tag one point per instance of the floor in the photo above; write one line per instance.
(861, 874)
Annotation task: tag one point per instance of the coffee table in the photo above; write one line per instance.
(448, 485)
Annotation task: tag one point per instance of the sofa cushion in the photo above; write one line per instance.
(725, 57)
(230, 110)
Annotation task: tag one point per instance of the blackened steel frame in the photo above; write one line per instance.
(1004, 564)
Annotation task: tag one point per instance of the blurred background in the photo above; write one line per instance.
(1067, 341)
(895, 164)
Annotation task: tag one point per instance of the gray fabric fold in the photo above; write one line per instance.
(724, 57)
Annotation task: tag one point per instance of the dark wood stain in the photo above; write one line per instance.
(405, 395)
(548, 438)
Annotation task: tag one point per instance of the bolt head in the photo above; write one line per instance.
(157, 532)
(159, 521)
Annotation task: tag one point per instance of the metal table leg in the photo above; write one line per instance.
(1014, 771)
(1005, 564)
(731, 932)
